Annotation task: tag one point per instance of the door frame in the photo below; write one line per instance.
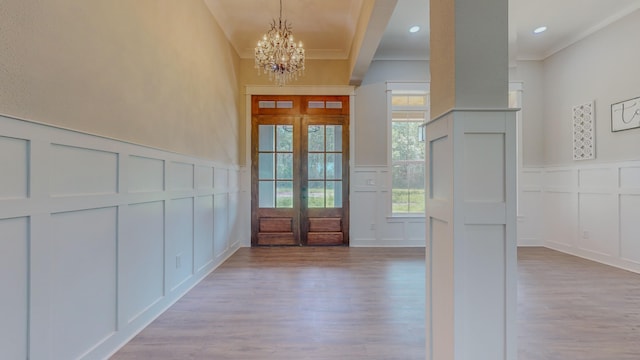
(245, 173)
(245, 133)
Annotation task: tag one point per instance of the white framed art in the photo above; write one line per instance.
(625, 115)
(584, 131)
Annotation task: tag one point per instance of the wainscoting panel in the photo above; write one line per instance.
(204, 177)
(598, 179)
(14, 163)
(145, 174)
(14, 267)
(591, 211)
(179, 242)
(98, 237)
(220, 219)
(560, 218)
(630, 227)
(630, 177)
(181, 176)
(203, 236)
(141, 259)
(363, 221)
(84, 247)
(82, 171)
(598, 229)
(371, 221)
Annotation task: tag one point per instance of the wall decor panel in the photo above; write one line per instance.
(14, 162)
(14, 277)
(84, 265)
(145, 174)
(141, 259)
(82, 171)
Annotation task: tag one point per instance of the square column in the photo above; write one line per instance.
(471, 185)
(471, 236)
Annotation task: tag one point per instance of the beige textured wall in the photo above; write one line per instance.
(153, 72)
(317, 72)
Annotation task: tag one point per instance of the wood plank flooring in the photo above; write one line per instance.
(297, 303)
(356, 303)
(571, 308)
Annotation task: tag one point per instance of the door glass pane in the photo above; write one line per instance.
(316, 137)
(316, 194)
(334, 138)
(285, 166)
(284, 194)
(285, 138)
(266, 194)
(266, 166)
(316, 167)
(334, 166)
(265, 137)
(334, 194)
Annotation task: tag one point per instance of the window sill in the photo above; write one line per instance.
(405, 217)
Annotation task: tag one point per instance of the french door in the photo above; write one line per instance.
(300, 170)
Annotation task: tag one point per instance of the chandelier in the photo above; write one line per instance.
(278, 55)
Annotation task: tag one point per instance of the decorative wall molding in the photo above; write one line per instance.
(100, 236)
(589, 211)
(370, 224)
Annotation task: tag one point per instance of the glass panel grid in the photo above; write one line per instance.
(275, 166)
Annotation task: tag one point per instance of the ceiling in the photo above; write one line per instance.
(367, 30)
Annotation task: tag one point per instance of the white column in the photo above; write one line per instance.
(471, 185)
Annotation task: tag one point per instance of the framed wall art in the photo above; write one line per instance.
(625, 115)
(584, 131)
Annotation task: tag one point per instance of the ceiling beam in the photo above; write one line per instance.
(373, 22)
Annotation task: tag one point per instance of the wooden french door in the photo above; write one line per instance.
(300, 170)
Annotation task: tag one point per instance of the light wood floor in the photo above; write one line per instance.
(355, 303)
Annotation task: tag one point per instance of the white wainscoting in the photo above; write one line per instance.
(98, 237)
(591, 211)
(371, 224)
(530, 207)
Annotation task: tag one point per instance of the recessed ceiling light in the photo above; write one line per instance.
(414, 29)
(540, 29)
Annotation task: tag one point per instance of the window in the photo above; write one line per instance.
(409, 109)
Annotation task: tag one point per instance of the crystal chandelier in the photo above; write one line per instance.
(278, 55)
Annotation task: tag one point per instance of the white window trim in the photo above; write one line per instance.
(407, 88)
